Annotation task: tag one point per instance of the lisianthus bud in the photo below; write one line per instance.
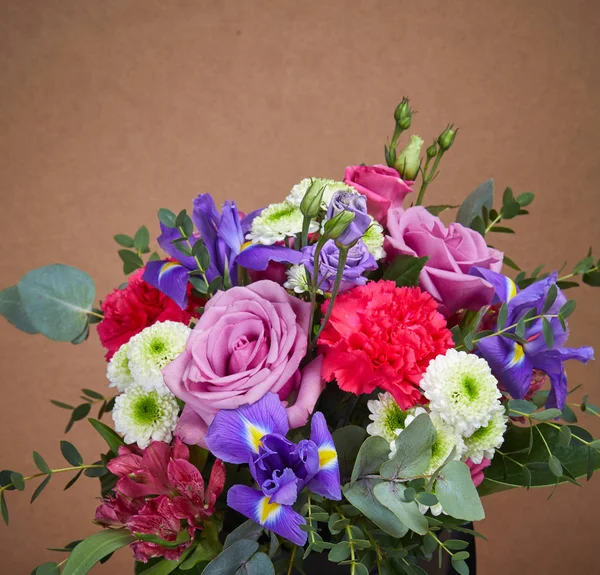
(432, 151)
(311, 202)
(446, 138)
(336, 226)
(403, 115)
(409, 160)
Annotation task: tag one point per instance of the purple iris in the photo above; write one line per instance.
(358, 262)
(255, 434)
(222, 233)
(344, 201)
(513, 363)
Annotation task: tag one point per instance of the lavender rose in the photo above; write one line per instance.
(382, 186)
(359, 261)
(355, 203)
(452, 252)
(249, 341)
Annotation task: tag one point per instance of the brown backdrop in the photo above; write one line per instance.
(112, 109)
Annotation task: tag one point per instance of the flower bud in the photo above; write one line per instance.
(432, 151)
(336, 226)
(403, 115)
(311, 202)
(446, 138)
(409, 160)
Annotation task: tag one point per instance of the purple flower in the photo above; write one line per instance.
(355, 203)
(358, 262)
(223, 236)
(513, 363)
(255, 434)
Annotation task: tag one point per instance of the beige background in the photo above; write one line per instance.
(112, 109)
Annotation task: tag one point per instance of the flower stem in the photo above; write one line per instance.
(53, 471)
(492, 224)
(291, 563)
(314, 287)
(428, 177)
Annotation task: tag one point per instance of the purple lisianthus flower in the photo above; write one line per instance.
(514, 363)
(222, 234)
(358, 262)
(255, 434)
(355, 203)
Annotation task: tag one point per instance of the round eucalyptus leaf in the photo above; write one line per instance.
(11, 307)
(57, 299)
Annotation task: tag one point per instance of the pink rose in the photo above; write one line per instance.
(249, 341)
(383, 187)
(476, 470)
(452, 252)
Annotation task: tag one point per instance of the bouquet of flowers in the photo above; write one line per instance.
(336, 374)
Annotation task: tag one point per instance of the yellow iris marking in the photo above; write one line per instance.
(266, 509)
(167, 266)
(512, 289)
(254, 436)
(519, 354)
(327, 456)
(246, 244)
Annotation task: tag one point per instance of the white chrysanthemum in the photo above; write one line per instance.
(143, 416)
(436, 510)
(297, 280)
(330, 187)
(485, 440)
(153, 348)
(446, 440)
(277, 222)
(387, 416)
(461, 390)
(374, 238)
(117, 371)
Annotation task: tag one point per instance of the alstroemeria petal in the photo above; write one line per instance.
(327, 481)
(281, 519)
(216, 483)
(235, 434)
(186, 478)
(170, 278)
(511, 367)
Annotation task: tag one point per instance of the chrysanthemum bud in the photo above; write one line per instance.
(403, 115)
(336, 226)
(311, 202)
(409, 160)
(446, 138)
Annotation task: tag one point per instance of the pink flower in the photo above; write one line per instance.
(383, 187)
(249, 341)
(477, 470)
(452, 252)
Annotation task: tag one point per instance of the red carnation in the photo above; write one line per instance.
(380, 335)
(129, 310)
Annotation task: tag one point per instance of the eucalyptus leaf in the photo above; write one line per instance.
(247, 530)
(112, 438)
(389, 494)
(455, 491)
(348, 441)
(372, 454)
(482, 196)
(405, 270)
(70, 453)
(11, 307)
(230, 560)
(259, 564)
(57, 300)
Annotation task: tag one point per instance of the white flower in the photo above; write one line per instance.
(387, 417)
(485, 440)
(461, 390)
(330, 187)
(117, 371)
(277, 222)
(297, 280)
(436, 510)
(143, 416)
(374, 238)
(154, 348)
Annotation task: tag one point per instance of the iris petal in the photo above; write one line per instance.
(505, 288)
(170, 278)
(327, 480)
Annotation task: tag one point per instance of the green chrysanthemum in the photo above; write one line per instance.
(118, 371)
(485, 440)
(143, 416)
(297, 279)
(277, 222)
(154, 348)
(388, 419)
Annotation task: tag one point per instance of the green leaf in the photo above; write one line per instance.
(259, 564)
(550, 298)
(482, 196)
(437, 210)
(340, 552)
(456, 544)
(229, 561)
(546, 414)
(563, 285)
(141, 240)
(510, 210)
(348, 441)
(567, 309)
(525, 199)
(16, 479)
(124, 240)
(548, 333)
(112, 438)
(516, 407)
(93, 394)
(389, 494)
(182, 537)
(555, 466)
(510, 263)
(131, 261)
(372, 454)
(206, 550)
(57, 299)
(428, 499)
(40, 463)
(455, 491)
(11, 307)
(568, 415)
(405, 270)
(592, 278)
(502, 230)
(49, 568)
(200, 251)
(460, 567)
(94, 548)
(4, 508)
(167, 218)
(508, 196)
(360, 495)
(154, 257)
(79, 413)
(502, 316)
(73, 480)
(40, 488)
(478, 225)
(413, 450)
(70, 453)
(61, 404)
(82, 336)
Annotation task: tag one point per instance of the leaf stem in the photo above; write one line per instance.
(91, 312)
(568, 276)
(441, 544)
(291, 563)
(492, 224)
(53, 471)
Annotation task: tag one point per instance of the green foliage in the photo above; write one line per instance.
(113, 439)
(437, 210)
(455, 491)
(390, 495)
(70, 453)
(405, 270)
(232, 558)
(12, 308)
(347, 442)
(471, 208)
